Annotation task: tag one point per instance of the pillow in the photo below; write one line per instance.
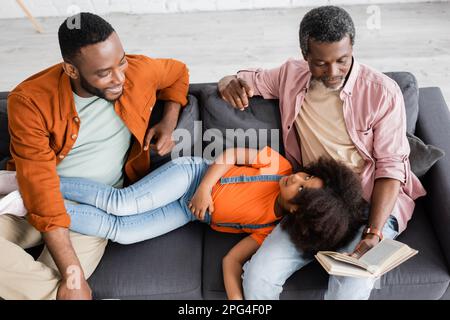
(257, 126)
(422, 156)
(4, 134)
(410, 90)
(3, 163)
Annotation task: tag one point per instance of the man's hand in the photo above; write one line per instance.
(163, 143)
(67, 292)
(200, 202)
(365, 245)
(162, 131)
(235, 91)
(384, 195)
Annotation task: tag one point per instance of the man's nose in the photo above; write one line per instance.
(333, 70)
(118, 77)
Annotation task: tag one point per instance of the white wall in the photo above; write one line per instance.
(51, 8)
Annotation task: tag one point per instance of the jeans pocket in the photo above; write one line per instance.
(391, 228)
(145, 203)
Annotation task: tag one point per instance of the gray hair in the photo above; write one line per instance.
(325, 24)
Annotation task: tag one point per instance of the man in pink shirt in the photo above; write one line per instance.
(333, 106)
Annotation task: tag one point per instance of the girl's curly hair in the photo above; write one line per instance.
(329, 217)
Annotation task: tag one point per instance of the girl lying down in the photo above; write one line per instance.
(242, 191)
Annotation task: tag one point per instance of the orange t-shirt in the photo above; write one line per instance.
(250, 203)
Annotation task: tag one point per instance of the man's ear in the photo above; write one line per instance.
(70, 70)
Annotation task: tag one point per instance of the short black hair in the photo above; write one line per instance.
(81, 30)
(327, 218)
(325, 24)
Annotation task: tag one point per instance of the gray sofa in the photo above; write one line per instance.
(186, 263)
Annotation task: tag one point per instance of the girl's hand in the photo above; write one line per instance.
(200, 202)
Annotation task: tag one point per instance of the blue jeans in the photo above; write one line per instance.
(278, 258)
(151, 207)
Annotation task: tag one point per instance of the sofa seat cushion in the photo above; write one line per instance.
(166, 267)
(424, 276)
(216, 246)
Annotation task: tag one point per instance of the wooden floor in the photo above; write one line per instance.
(412, 37)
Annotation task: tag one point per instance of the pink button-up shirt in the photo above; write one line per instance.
(374, 114)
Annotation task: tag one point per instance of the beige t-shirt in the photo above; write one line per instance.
(322, 130)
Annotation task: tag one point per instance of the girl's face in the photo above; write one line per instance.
(295, 183)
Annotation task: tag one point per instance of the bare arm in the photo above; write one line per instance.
(73, 284)
(384, 196)
(201, 201)
(171, 113)
(232, 266)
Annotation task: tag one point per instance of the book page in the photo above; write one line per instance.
(385, 256)
(339, 268)
(381, 254)
(345, 258)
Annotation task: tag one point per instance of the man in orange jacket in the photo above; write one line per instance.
(85, 117)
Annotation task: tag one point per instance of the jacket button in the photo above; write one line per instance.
(61, 156)
(76, 119)
(73, 136)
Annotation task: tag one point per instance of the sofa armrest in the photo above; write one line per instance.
(433, 127)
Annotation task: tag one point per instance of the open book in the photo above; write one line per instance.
(382, 258)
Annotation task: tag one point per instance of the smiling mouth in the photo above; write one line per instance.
(115, 90)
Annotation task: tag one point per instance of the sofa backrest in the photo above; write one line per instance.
(217, 115)
(255, 127)
(264, 114)
(4, 134)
